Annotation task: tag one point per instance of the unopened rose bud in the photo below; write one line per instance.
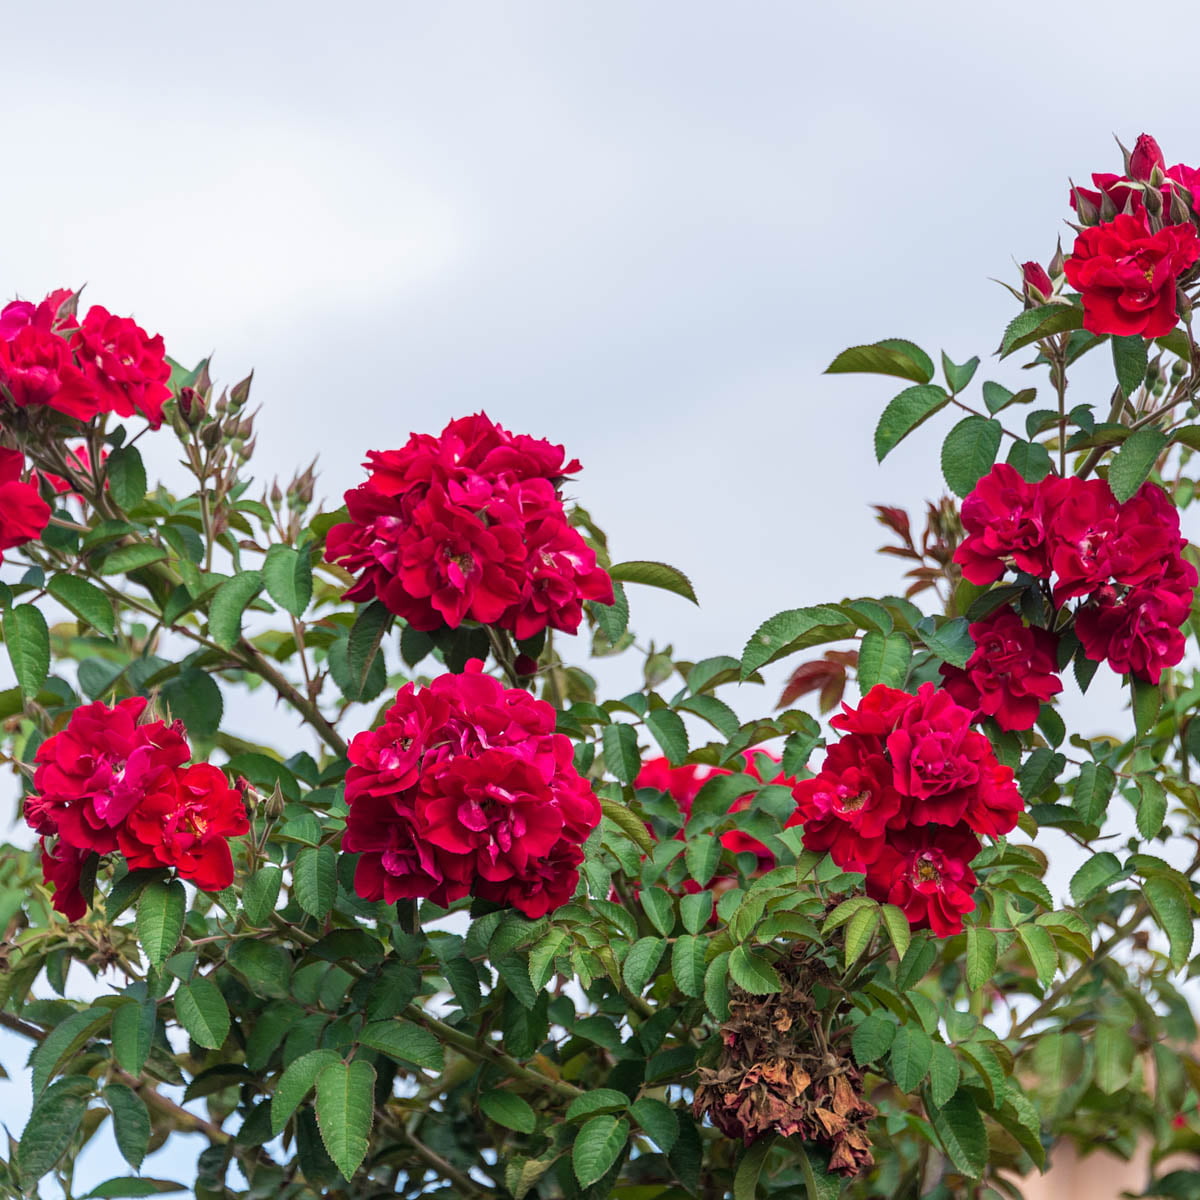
(524, 665)
(276, 495)
(1152, 198)
(1086, 211)
(1108, 209)
(210, 435)
(1181, 209)
(1178, 367)
(1145, 158)
(240, 392)
(1036, 283)
(1057, 263)
(191, 406)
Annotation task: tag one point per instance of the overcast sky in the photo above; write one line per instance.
(642, 230)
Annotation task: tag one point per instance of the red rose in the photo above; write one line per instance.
(1180, 180)
(469, 525)
(62, 869)
(877, 714)
(1148, 539)
(23, 513)
(92, 774)
(1082, 533)
(1138, 633)
(1127, 275)
(927, 874)
(33, 364)
(1011, 673)
(465, 788)
(121, 369)
(1005, 521)
(186, 823)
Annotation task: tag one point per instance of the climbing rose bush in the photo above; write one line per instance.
(518, 898)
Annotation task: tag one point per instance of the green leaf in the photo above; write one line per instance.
(660, 908)
(296, 1082)
(194, 698)
(1129, 359)
(752, 973)
(288, 575)
(641, 962)
(228, 603)
(981, 956)
(597, 1101)
(892, 356)
(1115, 1052)
(910, 1056)
(944, 1074)
(1093, 790)
(687, 964)
(860, 929)
(1169, 903)
(959, 377)
(1031, 460)
(961, 1131)
(28, 642)
(85, 600)
(1152, 806)
(621, 755)
(670, 733)
(701, 856)
(1146, 702)
(749, 1168)
(345, 1110)
(509, 1110)
(872, 1038)
(716, 712)
(159, 919)
(1041, 950)
(950, 641)
(883, 660)
(366, 636)
(612, 619)
(314, 876)
(131, 1123)
(64, 1041)
(130, 558)
(51, 1128)
(716, 986)
(260, 893)
(784, 628)
(596, 1148)
(1095, 874)
(129, 1187)
(898, 928)
(1133, 462)
(996, 397)
(126, 478)
(655, 574)
(628, 823)
(911, 408)
(405, 1043)
(132, 1034)
(968, 453)
(1036, 323)
(696, 910)
(1039, 771)
(202, 1011)
(658, 1120)
(541, 958)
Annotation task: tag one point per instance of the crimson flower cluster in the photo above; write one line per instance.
(469, 525)
(111, 782)
(903, 798)
(23, 512)
(104, 363)
(1127, 267)
(1125, 561)
(465, 789)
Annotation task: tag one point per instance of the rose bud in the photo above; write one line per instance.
(1036, 283)
(524, 665)
(1145, 157)
(1085, 210)
(191, 406)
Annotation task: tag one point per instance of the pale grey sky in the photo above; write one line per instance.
(639, 229)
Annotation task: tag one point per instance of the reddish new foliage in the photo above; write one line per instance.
(1010, 675)
(901, 798)
(1125, 560)
(104, 364)
(109, 783)
(23, 513)
(1127, 274)
(469, 525)
(465, 789)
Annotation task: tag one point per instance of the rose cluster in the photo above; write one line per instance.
(465, 789)
(469, 525)
(50, 359)
(903, 798)
(1127, 267)
(1124, 561)
(112, 783)
(23, 512)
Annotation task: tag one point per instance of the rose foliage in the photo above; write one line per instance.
(453, 917)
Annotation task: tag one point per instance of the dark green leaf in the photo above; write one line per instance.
(1152, 806)
(1133, 462)
(28, 642)
(687, 964)
(961, 1131)
(872, 1038)
(745, 1179)
(296, 1082)
(85, 600)
(64, 1041)
(655, 574)
(1169, 902)
(670, 733)
(131, 1123)
(784, 628)
(1097, 872)
(404, 1042)
(969, 452)
(132, 1033)
(600, 1100)
(752, 973)
(202, 1011)
(345, 1110)
(959, 377)
(1031, 460)
(910, 1056)
(51, 1127)
(892, 356)
(260, 893)
(621, 755)
(314, 876)
(1093, 790)
(911, 408)
(228, 603)
(287, 573)
(160, 919)
(981, 956)
(126, 478)
(641, 963)
(950, 641)
(194, 698)
(130, 558)
(596, 1148)
(366, 636)
(1036, 323)
(509, 1110)
(1129, 359)
(883, 660)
